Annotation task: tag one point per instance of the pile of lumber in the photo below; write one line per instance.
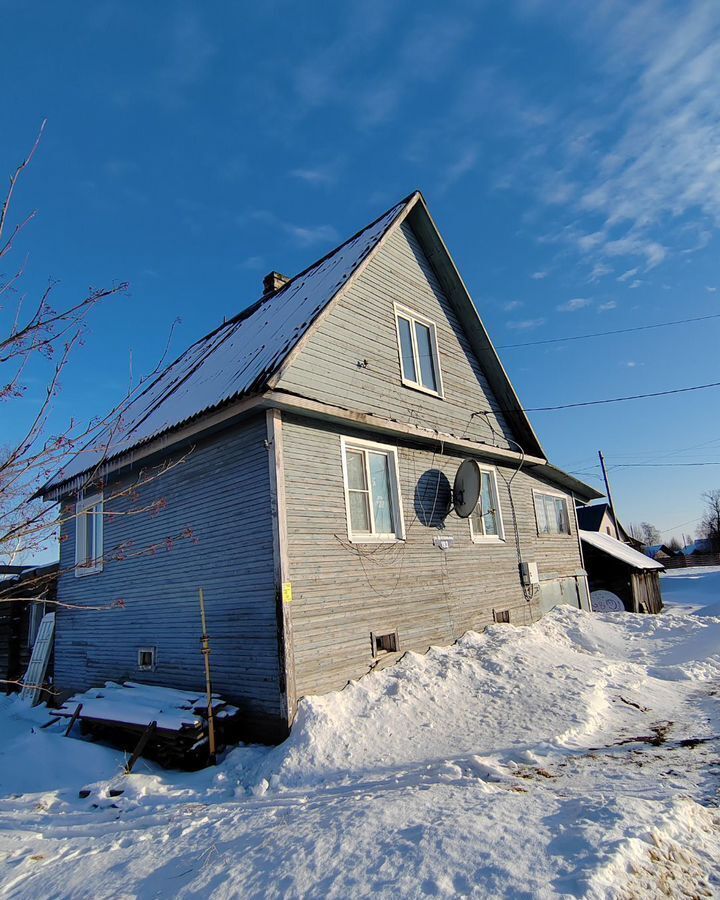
(164, 724)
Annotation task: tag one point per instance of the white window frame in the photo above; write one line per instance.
(413, 317)
(153, 652)
(550, 493)
(347, 443)
(83, 566)
(498, 538)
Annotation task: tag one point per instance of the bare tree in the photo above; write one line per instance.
(645, 532)
(42, 335)
(709, 527)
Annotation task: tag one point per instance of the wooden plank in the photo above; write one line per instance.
(35, 675)
(73, 719)
(280, 552)
(141, 744)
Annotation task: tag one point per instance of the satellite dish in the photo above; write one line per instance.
(606, 601)
(466, 488)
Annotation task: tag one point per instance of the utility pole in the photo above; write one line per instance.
(608, 492)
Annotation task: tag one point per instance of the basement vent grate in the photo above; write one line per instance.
(501, 615)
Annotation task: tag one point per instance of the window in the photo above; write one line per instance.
(384, 643)
(551, 512)
(501, 616)
(146, 658)
(372, 492)
(486, 520)
(419, 361)
(89, 535)
(37, 611)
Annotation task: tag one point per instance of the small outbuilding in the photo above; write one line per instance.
(617, 570)
(26, 594)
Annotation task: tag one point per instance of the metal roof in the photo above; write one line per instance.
(615, 548)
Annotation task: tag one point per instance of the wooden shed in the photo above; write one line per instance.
(616, 568)
(25, 597)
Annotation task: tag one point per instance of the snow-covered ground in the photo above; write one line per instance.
(577, 757)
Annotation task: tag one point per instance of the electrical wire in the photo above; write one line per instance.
(697, 387)
(594, 334)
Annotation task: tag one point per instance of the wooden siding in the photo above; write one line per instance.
(360, 328)
(342, 592)
(222, 493)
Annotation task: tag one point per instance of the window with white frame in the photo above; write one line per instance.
(551, 513)
(419, 359)
(372, 492)
(486, 520)
(89, 534)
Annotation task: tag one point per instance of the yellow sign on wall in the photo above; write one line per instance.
(287, 591)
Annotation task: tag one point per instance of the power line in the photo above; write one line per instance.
(697, 387)
(594, 334)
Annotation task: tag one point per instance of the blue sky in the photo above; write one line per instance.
(570, 154)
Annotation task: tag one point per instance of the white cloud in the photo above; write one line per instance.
(600, 270)
(574, 305)
(318, 175)
(525, 324)
(607, 306)
(710, 289)
(512, 304)
(630, 273)
(538, 276)
(307, 235)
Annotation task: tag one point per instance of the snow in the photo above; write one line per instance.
(623, 552)
(693, 589)
(236, 358)
(140, 704)
(576, 757)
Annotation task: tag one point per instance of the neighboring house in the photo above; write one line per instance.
(660, 552)
(319, 433)
(700, 547)
(26, 594)
(599, 517)
(616, 568)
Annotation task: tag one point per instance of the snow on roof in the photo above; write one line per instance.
(623, 552)
(237, 358)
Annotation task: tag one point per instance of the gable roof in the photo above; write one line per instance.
(590, 517)
(607, 544)
(246, 355)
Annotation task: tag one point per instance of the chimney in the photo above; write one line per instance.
(273, 281)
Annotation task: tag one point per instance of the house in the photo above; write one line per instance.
(26, 594)
(600, 517)
(660, 552)
(619, 570)
(308, 449)
(700, 547)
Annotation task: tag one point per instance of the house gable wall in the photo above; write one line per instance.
(221, 493)
(351, 359)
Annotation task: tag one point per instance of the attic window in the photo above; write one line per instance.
(384, 643)
(417, 344)
(89, 535)
(146, 659)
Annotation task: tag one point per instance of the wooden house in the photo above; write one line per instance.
(600, 517)
(615, 568)
(313, 442)
(26, 594)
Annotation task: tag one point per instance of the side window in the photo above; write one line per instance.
(419, 358)
(89, 535)
(486, 520)
(551, 513)
(372, 492)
